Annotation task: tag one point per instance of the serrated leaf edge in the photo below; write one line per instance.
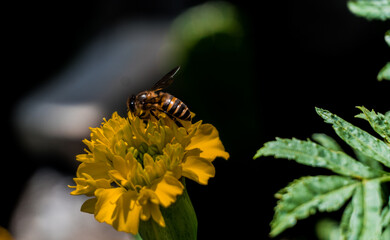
(275, 231)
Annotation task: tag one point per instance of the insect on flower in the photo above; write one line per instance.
(152, 101)
(134, 167)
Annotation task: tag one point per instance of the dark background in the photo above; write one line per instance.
(293, 56)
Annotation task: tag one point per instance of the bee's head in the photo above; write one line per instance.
(131, 103)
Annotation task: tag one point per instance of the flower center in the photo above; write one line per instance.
(142, 149)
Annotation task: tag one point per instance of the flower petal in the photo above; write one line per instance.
(198, 169)
(89, 206)
(127, 214)
(96, 170)
(156, 214)
(118, 208)
(106, 203)
(88, 185)
(150, 203)
(167, 190)
(207, 140)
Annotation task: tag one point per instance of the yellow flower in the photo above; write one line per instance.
(132, 168)
(4, 234)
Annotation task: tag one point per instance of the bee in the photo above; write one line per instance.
(150, 102)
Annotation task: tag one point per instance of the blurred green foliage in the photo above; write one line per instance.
(214, 53)
(370, 9)
(384, 73)
(374, 10)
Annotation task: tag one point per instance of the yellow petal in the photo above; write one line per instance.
(127, 214)
(89, 206)
(207, 140)
(118, 208)
(106, 204)
(88, 186)
(145, 213)
(96, 170)
(84, 158)
(118, 178)
(167, 190)
(4, 234)
(198, 169)
(120, 164)
(156, 214)
(150, 203)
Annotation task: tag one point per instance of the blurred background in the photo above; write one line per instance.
(255, 70)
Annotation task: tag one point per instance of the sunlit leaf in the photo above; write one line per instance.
(312, 154)
(371, 206)
(304, 196)
(378, 122)
(367, 160)
(361, 218)
(370, 9)
(327, 141)
(357, 138)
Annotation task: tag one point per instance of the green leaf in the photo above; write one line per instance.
(386, 215)
(370, 9)
(361, 218)
(387, 37)
(378, 122)
(386, 234)
(304, 196)
(345, 228)
(356, 219)
(312, 154)
(367, 160)
(370, 206)
(138, 237)
(327, 141)
(357, 138)
(384, 73)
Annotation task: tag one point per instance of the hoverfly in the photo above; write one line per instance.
(149, 102)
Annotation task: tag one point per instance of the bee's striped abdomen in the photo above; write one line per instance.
(175, 107)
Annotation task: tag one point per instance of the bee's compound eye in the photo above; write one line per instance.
(142, 97)
(132, 103)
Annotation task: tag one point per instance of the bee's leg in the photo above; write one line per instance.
(144, 116)
(174, 119)
(178, 123)
(154, 115)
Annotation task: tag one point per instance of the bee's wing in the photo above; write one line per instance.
(166, 80)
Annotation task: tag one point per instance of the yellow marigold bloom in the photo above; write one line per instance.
(131, 168)
(4, 234)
